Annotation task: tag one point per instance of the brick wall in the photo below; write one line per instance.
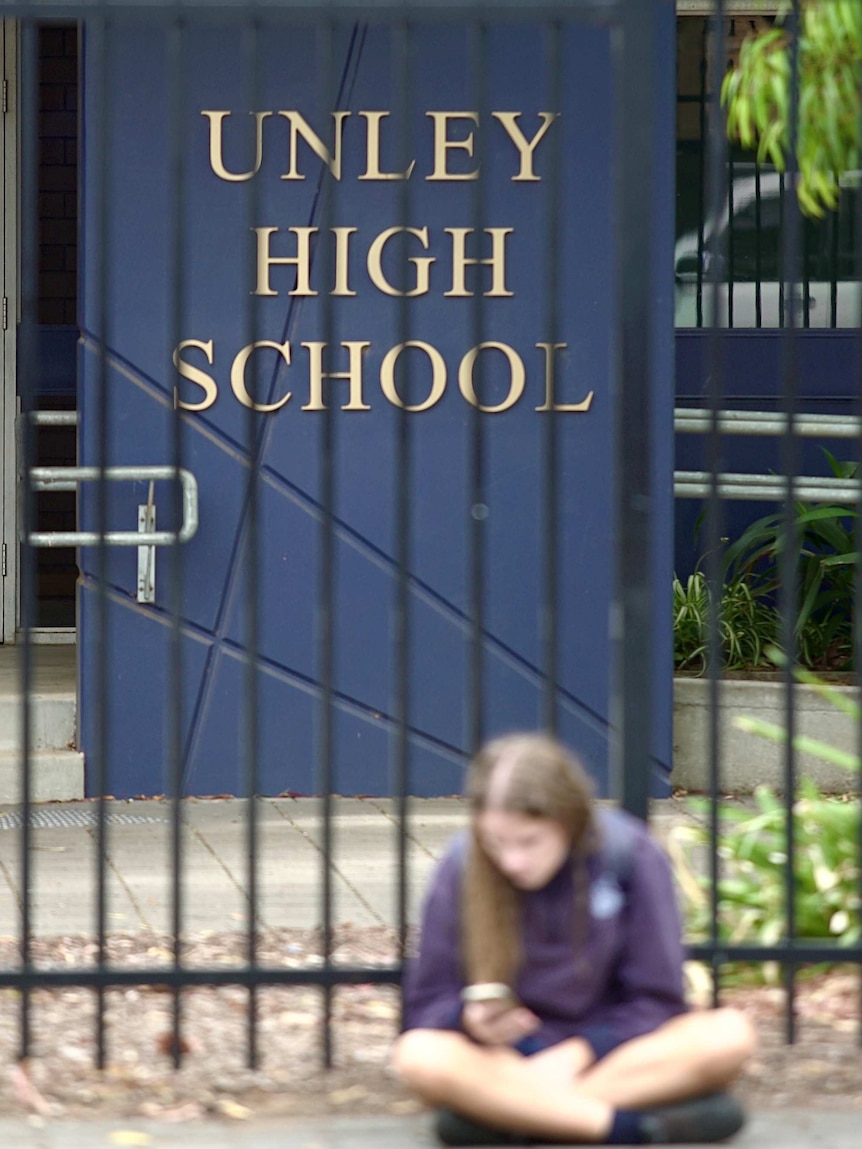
(58, 173)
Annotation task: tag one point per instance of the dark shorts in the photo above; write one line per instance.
(533, 1044)
(601, 1039)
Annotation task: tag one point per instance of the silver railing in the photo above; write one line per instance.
(763, 488)
(146, 537)
(68, 478)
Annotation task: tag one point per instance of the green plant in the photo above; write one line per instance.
(824, 540)
(752, 848)
(757, 96)
(752, 895)
(747, 625)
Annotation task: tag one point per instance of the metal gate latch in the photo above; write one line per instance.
(147, 554)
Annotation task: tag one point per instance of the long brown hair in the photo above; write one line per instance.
(529, 774)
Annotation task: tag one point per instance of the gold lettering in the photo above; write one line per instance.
(518, 376)
(195, 375)
(372, 151)
(443, 145)
(316, 375)
(421, 262)
(301, 261)
(438, 375)
(237, 375)
(216, 120)
(497, 262)
(342, 259)
(549, 404)
(299, 126)
(525, 147)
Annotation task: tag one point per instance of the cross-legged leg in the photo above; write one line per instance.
(558, 1094)
(693, 1054)
(494, 1085)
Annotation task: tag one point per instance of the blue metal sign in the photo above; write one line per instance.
(271, 260)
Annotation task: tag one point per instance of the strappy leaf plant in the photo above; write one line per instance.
(752, 850)
(826, 554)
(747, 625)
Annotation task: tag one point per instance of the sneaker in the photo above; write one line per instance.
(454, 1129)
(711, 1118)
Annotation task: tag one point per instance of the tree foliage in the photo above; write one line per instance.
(757, 94)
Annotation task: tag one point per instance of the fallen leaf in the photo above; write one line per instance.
(351, 1093)
(408, 1105)
(813, 1068)
(191, 1111)
(166, 1045)
(381, 1009)
(129, 1137)
(230, 1108)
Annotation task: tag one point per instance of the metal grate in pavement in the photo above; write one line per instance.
(48, 819)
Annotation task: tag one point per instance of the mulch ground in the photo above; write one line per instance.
(823, 1067)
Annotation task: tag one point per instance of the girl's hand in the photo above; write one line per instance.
(498, 1022)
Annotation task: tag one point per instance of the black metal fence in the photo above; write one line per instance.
(715, 295)
(636, 148)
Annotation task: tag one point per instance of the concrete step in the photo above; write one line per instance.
(52, 721)
(55, 776)
(56, 766)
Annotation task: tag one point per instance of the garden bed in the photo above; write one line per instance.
(823, 1068)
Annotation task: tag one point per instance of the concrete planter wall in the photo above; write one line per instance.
(745, 760)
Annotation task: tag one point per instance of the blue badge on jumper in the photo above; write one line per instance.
(606, 897)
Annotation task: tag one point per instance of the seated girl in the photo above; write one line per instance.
(546, 1002)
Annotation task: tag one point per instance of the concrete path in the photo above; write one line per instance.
(215, 862)
(779, 1130)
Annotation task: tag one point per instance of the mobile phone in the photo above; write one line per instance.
(488, 991)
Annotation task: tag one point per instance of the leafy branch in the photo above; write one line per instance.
(757, 95)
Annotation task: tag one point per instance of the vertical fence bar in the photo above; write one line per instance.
(476, 450)
(401, 45)
(254, 437)
(635, 60)
(326, 607)
(704, 54)
(553, 34)
(28, 367)
(758, 266)
(102, 55)
(718, 182)
(835, 260)
(855, 228)
(176, 94)
(788, 564)
(731, 221)
(783, 271)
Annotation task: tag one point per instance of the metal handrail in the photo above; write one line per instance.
(764, 488)
(67, 479)
(730, 485)
(695, 421)
(54, 418)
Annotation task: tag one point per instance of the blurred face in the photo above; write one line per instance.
(528, 851)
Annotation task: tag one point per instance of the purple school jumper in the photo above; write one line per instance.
(628, 980)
